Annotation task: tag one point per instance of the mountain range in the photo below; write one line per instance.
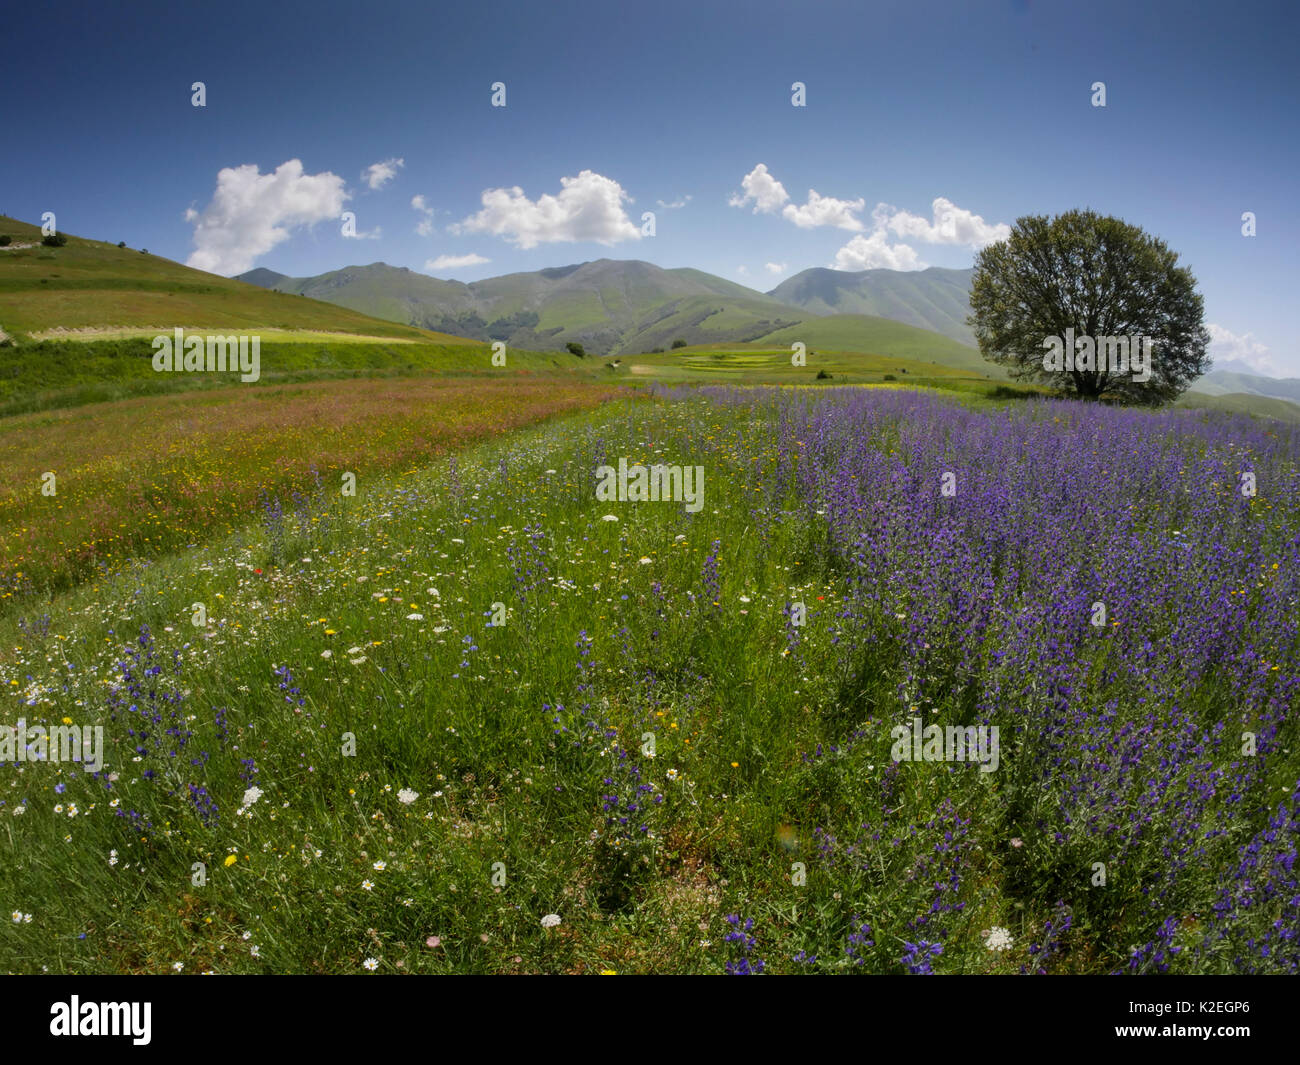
(615, 307)
(93, 289)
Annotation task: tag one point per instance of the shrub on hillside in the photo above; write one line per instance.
(121, 244)
(4, 242)
(54, 240)
(679, 343)
(890, 377)
(574, 348)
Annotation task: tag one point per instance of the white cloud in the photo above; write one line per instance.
(951, 225)
(763, 189)
(425, 226)
(776, 268)
(1225, 345)
(377, 175)
(454, 262)
(374, 234)
(825, 211)
(251, 213)
(742, 270)
(675, 204)
(588, 208)
(874, 252)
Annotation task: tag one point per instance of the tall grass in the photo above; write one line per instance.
(351, 767)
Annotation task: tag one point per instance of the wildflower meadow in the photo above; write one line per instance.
(922, 685)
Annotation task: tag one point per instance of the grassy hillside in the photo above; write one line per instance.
(1220, 383)
(53, 374)
(394, 293)
(92, 284)
(858, 332)
(935, 299)
(1242, 403)
(760, 364)
(616, 307)
(608, 306)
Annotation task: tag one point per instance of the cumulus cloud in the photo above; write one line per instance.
(452, 262)
(950, 225)
(762, 189)
(589, 207)
(425, 226)
(1225, 346)
(875, 252)
(251, 213)
(767, 195)
(377, 175)
(742, 270)
(776, 268)
(675, 204)
(825, 211)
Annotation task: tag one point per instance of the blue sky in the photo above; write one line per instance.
(928, 126)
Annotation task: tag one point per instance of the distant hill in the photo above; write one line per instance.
(885, 336)
(934, 299)
(609, 306)
(1219, 382)
(615, 307)
(1241, 403)
(93, 285)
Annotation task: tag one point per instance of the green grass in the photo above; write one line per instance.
(378, 607)
(1242, 403)
(762, 364)
(473, 739)
(48, 375)
(90, 284)
(855, 332)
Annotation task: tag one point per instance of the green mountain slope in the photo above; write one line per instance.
(935, 299)
(1222, 382)
(608, 305)
(1241, 403)
(859, 332)
(93, 285)
(615, 307)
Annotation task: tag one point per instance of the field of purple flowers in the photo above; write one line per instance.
(626, 736)
(1120, 593)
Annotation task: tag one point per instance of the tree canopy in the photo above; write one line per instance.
(1062, 299)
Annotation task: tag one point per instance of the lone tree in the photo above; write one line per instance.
(1095, 284)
